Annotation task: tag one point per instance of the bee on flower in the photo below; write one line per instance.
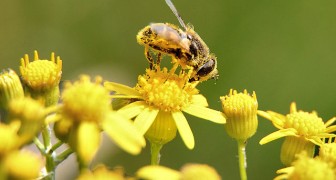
(159, 99)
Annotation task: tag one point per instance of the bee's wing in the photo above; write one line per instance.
(171, 34)
(173, 8)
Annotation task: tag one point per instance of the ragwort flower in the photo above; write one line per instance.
(328, 154)
(102, 173)
(307, 168)
(241, 112)
(21, 165)
(303, 130)
(10, 140)
(86, 111)
(188, 172)
(10, 87)
(42, 77)
(30, 114)
(159, 100)
(241, 122)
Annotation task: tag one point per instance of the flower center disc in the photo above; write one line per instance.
(305, 123)
(165, 90)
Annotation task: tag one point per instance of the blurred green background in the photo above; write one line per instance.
(285, 50)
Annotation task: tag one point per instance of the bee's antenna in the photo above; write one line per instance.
(172, 7)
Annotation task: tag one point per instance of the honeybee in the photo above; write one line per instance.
(184, 46)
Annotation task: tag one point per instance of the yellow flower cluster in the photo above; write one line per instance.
(31, 106)
(154, 108)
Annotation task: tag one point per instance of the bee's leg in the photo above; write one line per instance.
(173, 69)
(149, 57)
(159, 57)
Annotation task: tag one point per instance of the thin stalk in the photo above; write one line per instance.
(57, 145)
(63, 155)
(242, 159)
(50, 164)
(39, 145)
(155, 153)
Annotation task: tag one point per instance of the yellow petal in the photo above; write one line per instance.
(330, 122)
(157, 173)
(199, 171)
(199, 100)
(21, 165)
(276, 118)
(315, 140)
(292, 108)
(278, 134)
(87, 141)
(133, 109)
(121, 89)
(264, 114)
(184, 129)
(145, 119)
(205, 113)
(122, 131)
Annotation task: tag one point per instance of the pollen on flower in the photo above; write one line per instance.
(85, 100)
(166, 90)
(41, 75)
(307, 124)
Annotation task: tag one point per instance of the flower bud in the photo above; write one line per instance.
(10, 87)
(42, 77)
(241, 112)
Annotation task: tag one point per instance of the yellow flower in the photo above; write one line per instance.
(85, 101)
(303, 130)
(241, 112)
(328, 154)
(10, 87)
(22, 165)
(9, 138)
(85, 112)
(101, 173)
(307, 168)
(42, 77)
(188, 172)
(31, 115)
(162, 95)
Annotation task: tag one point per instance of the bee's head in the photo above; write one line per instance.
(207, 71)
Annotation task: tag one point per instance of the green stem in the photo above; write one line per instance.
(57, 145)
(155, 153)
(49, 153)
(242, 159)
(63, 155)
(46, 136)
(39, 145)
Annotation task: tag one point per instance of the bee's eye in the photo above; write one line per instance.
(207, 68)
